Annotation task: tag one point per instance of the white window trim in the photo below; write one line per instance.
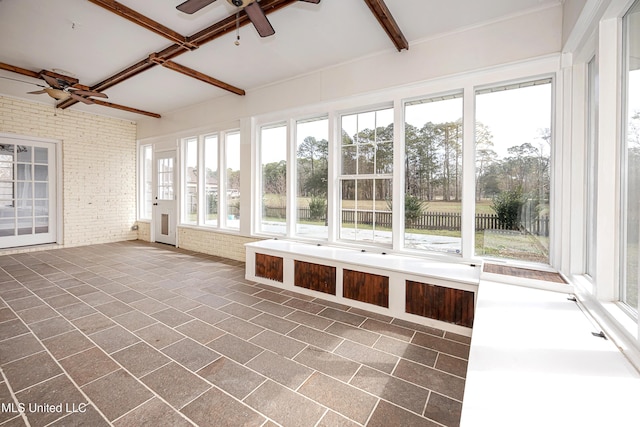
(468, 83)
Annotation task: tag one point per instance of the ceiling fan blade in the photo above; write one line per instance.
(88, 93)
(311, 1)
(192, 6)
(259, 20)
(80, 98)
(38, 92)
(53, 82)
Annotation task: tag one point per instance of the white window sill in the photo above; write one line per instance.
(534, 361)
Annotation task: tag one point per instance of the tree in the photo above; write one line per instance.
(313, 167)
(507, 206)
(485, 159)
(274, 176)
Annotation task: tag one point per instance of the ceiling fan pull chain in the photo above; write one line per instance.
(237, 42)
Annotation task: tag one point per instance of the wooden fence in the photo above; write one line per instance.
(427, 221)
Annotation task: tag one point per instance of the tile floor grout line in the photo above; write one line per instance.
(324, 414)
(231, 280)
(57, 362)
(22, 414)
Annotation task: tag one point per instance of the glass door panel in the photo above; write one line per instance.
(27, 193)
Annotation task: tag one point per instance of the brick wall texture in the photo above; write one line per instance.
(98, 167)
(209, 242)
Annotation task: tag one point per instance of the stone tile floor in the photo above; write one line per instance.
(131, 333)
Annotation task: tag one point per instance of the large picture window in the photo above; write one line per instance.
(273, 166)
(366, 176)
(513, 159)
(312, 169)
(630, 268)
(433, 174)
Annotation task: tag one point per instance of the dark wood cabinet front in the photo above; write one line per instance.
(366, 287)
(269, 267)
(316, 277)
(441, 303)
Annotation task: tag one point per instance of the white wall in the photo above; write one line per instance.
(570, 16)
(514, 39)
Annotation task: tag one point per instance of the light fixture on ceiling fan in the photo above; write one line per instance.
(251, 7)
(61, 89)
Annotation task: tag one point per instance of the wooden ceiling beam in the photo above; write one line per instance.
(210, 33)
(196, 75)
(384, 17)
(123, 75)
(19, 70)
(144, 21)
(228, 24)
(125, 108)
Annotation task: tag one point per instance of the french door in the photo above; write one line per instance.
(27, 192)
(164, 203)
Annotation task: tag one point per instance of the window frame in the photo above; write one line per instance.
(201, 198)
(458, 93)
(143, 171)
(621, 291)
(295, 172)
(374, 176)
(259, 209)
(555, 158)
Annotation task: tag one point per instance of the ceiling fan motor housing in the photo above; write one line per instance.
(241, 3)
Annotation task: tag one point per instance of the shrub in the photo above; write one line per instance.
(507, 206)
(317, 208)
(414, 207)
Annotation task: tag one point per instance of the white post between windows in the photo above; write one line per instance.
(468, 174)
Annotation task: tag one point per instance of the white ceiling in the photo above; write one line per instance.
(78, 37)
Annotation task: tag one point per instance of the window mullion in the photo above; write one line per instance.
(201, 182)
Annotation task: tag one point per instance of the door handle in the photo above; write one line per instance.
(155, 204)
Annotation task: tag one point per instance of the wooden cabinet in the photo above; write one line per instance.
(366, 287)
(440, 303)
(269, 267)
(434, 293)
(316, 277)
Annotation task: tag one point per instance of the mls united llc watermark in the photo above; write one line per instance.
(59, 408)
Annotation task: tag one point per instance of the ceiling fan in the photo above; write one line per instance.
(61, 89)
(251, 7)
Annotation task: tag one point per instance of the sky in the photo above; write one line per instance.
(513, 116)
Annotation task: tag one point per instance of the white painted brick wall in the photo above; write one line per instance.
(144, 231)
(98, 167)
(210, 242)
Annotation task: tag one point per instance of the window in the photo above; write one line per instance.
(211, 179)
(273, 167)
(513, 155)
(433, 174)
(630, 239)
(232, 179)
(190, 211)
(146, 167)
(206, 165)
(312, 169)
(366, 176)
(591, 168)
